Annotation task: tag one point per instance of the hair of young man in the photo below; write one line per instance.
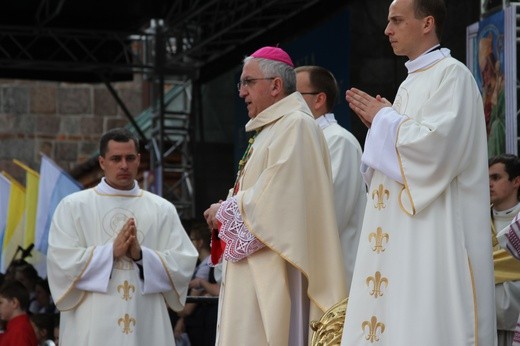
(272, 68)
(511, 166)
(200, 232)
(16, 290)
(44, 283)
(120, 135)
(436, 9)
(29, 272)
(511, 163)
(44, 322)
(322, 80)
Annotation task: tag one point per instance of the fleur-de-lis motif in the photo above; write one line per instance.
(377, 281)
(378, 236)
(373, 328)
(381, 192)
(126, 287)
(126, 320)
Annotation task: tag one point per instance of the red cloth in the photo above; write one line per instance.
(19, 332)
(217, 246)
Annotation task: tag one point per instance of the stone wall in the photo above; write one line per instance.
(62, 120)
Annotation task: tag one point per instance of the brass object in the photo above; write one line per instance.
(328, 330)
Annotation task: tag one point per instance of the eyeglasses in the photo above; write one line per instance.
(250, 81)
(311, 93)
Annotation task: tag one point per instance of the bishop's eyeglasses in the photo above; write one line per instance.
(249, 81)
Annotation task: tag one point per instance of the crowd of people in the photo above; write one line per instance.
(420, 230)
(27, 311)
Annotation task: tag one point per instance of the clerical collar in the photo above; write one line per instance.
(106, 189)
(427, 59)
(514, 210)
(326, 120)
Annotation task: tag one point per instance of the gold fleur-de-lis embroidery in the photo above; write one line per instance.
(373, 328)
(379, 236)
(377, 281)
(126, 320)
(380, 192)
(126, 287)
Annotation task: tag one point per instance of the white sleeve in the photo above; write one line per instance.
(156, 279)
(97, 274)
(380, 152)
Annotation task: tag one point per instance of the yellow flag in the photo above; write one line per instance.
(32, 181)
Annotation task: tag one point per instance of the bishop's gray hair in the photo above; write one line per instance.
(271, 68)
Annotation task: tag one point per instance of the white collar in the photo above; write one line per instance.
(427, 59)
(106, 189)
(514, 210)
(325, 120)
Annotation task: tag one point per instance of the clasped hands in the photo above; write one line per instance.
(126, 242)
(364, 105)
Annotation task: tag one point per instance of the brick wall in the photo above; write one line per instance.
(62, 120)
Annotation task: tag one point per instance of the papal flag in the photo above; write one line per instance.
(32, 180)
(55, 184)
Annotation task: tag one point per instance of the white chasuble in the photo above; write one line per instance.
(124, 309)
(285, 201)
(424, 271)
(349, 188)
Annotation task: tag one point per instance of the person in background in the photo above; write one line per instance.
(14, 302)
(118, 256)
(504, 184)
(424, 269)
(198, 320)
(43, 297)
(277, 230)
(43, 325)
(320, 90)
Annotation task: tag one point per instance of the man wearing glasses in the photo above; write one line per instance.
(282, 256)
(320, 90)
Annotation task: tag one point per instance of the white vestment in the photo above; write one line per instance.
(105, 301)
(285, 202)
(507, 297)
(424, 270)
(349, 188)
(507, 294)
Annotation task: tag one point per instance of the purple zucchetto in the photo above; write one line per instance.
(273, 53)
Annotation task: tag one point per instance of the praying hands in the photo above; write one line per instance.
(364, 105)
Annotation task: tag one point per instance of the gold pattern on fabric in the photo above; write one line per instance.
(373, 329)
(380, 193)
(329, 329)
(507, 268)
(126, 322)
(124, 263)
(126, 288)
(243, 161)
(377, 282)
(378, 236)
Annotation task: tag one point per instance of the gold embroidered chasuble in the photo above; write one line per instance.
(424, 271)
(123, 315)
(285, 200)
